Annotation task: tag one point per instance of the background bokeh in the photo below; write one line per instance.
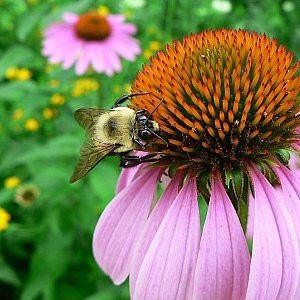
(45, 243)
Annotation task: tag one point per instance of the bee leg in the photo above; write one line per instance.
(128, 161)
(127, 97)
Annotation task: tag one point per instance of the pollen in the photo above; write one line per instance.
(229, 97)
(92, 26)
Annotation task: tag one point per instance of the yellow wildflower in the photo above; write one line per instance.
(154, 45)
(10, 73)
(49, 113)
(83, 86)
(18, 114)
(103, 10)
(23, 74)
(57, 99)
(32, 124)
(4, 219)
(18, 74)
(12, 182)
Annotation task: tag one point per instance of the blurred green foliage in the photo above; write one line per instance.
(45, 252)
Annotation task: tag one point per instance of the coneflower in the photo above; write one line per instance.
(91, 39)
(229, 116)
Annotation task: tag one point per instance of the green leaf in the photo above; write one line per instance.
(7, 274)
(243, 214)
(14, 56)
(29, 92)
(29, 21)
(60, 146)
(49, 261)
(103, 181)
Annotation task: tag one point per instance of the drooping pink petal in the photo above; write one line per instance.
(250, 219)
(291, 196)
(151, 228)
(224, 260)
(274, 268)
(129, 174)
(121, 222)
(167, 270)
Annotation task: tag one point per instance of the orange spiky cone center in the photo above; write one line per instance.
(228, 97)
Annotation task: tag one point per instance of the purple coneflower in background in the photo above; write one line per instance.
(230, 116)
(92, 40)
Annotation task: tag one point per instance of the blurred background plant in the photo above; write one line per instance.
(46, 224)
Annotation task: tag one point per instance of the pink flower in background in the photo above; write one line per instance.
(91, 40)
(230, 116)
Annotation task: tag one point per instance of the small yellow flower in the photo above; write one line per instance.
(23, 74)
(32, 124)
(12, 182)
(18, 114)
(54, 83)
(155, 45)
(57, 99)
(49, 113)
(83, 86)
(10, 73)
(147, 53)
(103, 10)
(4, 219)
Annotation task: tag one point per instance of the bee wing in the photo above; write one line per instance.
(91, 153)
(87, 118)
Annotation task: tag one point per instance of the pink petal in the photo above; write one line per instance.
(70, 18)
(82, 63)
(224, 260)
(151, 228)
(250, 220)
(112, 61)
(297, 144)
(127, 48)
(294, 162)
(95, 52)
(291, 197)
(168, 268)
(129, 174)
(274, 271)
(116, 19)
(119, 226)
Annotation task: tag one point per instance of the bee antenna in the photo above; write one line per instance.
(157, 106)
(158, 136)
(127, 97)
